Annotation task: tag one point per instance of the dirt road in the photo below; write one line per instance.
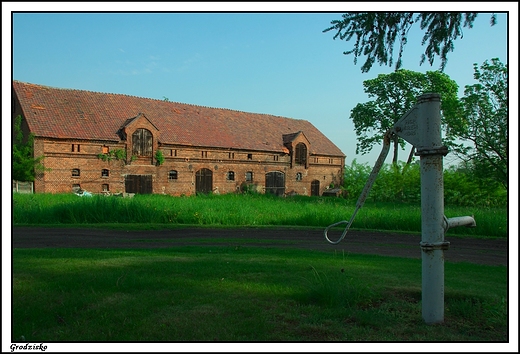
(490, 252)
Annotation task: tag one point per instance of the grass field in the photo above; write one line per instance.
(241, 210)
(245, 294)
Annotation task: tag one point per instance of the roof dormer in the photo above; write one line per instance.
(299, 148)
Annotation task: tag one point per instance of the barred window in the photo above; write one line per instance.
(249, 176)
(172, 175)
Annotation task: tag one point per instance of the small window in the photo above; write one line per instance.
(204, 154)
(76, 188)
(75, 172)
(172, 175)
(231, 155)
(104, 172)
(249, 176)
(173, 152)
(230, 176)
(75, 147)
(104, 188)
(275, 157)
(249, 156)
(299, 176)
(105, 149)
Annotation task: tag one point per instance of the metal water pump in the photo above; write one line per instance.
(421, 127)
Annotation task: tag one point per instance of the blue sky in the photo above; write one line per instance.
(275, 63)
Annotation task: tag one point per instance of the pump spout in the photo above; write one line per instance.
(467, 221)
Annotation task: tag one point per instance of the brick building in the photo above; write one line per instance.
(115, 143)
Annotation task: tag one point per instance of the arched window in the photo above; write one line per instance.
(172, 175)
(142, 142)
(299, 176)
(230, 176)
(300, 157)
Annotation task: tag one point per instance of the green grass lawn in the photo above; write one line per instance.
(237, 294)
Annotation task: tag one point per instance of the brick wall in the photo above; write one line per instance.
(61, 161)
(65, 158)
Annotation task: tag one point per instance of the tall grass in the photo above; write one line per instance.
(240, 210)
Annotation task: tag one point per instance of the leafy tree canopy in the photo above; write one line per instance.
(24, 163)
(393, 95)
(376, 34)
(485, 108)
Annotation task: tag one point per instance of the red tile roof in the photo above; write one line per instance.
(77, 114)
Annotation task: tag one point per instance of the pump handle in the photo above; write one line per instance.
(361, 200)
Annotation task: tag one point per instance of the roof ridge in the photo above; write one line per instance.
(155, 99)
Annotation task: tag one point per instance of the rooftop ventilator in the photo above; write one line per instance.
(421, 127)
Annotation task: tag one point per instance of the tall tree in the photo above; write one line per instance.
(25, 164)
(485, 107)
(376, 34)
(394, 94)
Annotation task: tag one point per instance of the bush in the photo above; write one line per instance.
(401, 183)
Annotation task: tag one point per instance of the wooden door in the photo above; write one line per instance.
(315, 188)
(204, 181)
(139, 184)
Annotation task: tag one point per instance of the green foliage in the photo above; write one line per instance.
(25, 165)
(463, 187)
(117, 154)
(159, 157)
(485, 107)
(376, 34)
(400, 183)
(395, 94)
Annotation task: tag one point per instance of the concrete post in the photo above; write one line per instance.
(431, 152)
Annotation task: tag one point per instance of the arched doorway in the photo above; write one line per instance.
(275, 183)
(315, 188)
(204, 181)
